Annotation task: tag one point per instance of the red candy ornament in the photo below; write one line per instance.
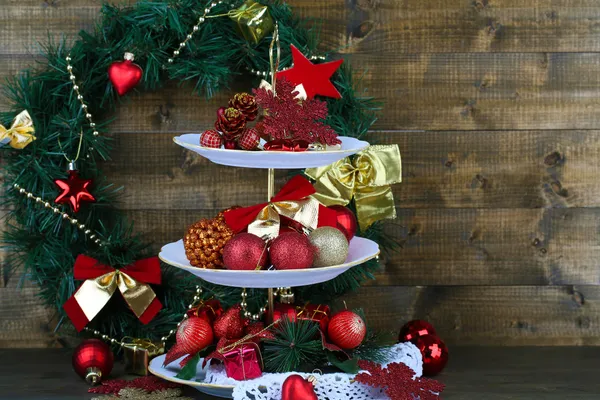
(245, 252)
(296, 387)
(230, 325)
(292, 250)
(347, 330)
(93, 360)
(193, 335)
(414, 329)
(434, 352)
(125, 75)
(346, 221)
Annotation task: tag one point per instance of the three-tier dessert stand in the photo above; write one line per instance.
(360, 249)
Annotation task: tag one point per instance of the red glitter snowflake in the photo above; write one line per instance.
(399, 381)
(147, 383)
(288, 118)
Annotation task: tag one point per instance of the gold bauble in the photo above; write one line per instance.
(331, 246)
(204, 242)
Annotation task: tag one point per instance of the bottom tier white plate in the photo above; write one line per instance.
(168, 373)
(361, 250)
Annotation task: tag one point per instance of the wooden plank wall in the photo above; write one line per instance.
(495, 105)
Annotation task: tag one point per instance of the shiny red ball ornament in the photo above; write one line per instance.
(346, 221)
(74, 190)
(434, 352)
(245, 252)
(93, 360)
(230, 144)
(125, 75)
(193, 335)
(347, 330)
(211, 139)
(296, 387)
(292, 250)
(230, 325)
(413, 329)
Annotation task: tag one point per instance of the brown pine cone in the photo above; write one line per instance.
(246, 103)
(204, 242)
(230, 122)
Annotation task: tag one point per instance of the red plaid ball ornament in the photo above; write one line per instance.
(212, 139)
(249, 140)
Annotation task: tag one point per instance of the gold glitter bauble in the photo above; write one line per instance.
(331, 246)
(204, 242)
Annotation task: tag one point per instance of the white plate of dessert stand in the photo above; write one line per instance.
(168, 373)
(272, 159)
(360, 251)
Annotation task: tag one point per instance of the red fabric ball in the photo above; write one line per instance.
(93, 360)
(292, 250)
(249, 140)
(347, 330)
(413, 329)
(434, 352)
(211, 139)
(230, 325)
(346, 221)
(193, 335)
(245, 251)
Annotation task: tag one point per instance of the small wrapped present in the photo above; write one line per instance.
(243, 362)
(253, 21)
(138, 353)
(315, 312)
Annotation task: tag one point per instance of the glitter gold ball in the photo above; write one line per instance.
(204, 242)
(331, 246)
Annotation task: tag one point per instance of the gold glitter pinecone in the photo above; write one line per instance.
(204, 242)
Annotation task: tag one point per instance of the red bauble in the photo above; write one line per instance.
(74, 190)
(230, 325)
(193, 335)
(93, 360)
(346, 221)
(413, 329)
(347, 330)
(125, 75)
(249, 140)
(212, 139)
(231, 144)
(246, 252)
(292, 250)
(296, 387)
(434, 352)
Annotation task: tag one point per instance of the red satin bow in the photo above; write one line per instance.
(298, 188)
(101, 281)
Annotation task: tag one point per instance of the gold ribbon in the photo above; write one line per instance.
(366, 178)
(153, 348)
(20, 134)
(268, 221)
(95, 293)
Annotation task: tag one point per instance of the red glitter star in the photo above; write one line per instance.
(75, 190)
(314, 77)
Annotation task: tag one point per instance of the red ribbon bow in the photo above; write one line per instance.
(296, 190)
(101, 281)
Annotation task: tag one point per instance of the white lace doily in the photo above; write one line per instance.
(338, 386)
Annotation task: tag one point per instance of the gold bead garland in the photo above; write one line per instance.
(195, 29)
(248, 314)
(84, 106)
(264, 74)
(74, 221)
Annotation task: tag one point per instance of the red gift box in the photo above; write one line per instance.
(315, 312)
(244, 362)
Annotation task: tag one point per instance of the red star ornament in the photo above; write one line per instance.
(75, 190)
(314, 77)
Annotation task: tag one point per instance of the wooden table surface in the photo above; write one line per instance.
(483, 373)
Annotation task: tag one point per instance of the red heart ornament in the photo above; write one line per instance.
(124, 75)
(296, 387)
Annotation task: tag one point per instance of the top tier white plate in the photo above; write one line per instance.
(361, 250)
(272, 159)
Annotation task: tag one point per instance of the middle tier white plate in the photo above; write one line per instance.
(361, 250)
(271, 159)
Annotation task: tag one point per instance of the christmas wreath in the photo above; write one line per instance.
(64, 215)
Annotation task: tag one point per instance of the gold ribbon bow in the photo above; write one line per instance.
(153, 348)
(268, 221)
(366, 178)
(20, 134)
